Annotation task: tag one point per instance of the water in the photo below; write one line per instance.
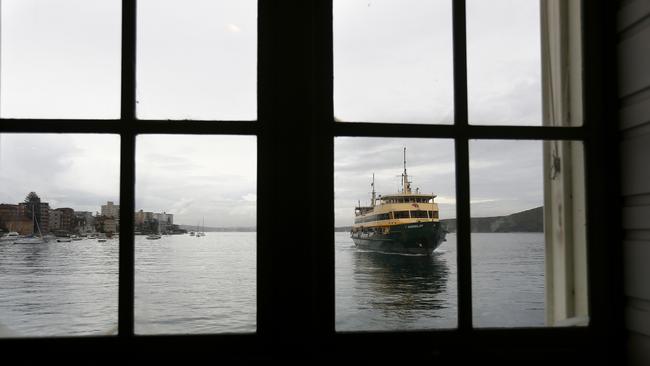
(383, 292)
(183, 284)
(208, 285)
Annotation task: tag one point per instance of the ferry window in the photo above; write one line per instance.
(419, 214)
(402, 215)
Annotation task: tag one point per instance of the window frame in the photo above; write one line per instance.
(295, 276)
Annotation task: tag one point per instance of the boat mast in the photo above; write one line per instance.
(373, 190)
(406, 185)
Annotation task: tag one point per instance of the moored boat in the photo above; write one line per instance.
(10, 237)
(406, 222)
(30, 240)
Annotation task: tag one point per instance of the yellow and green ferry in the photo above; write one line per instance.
(406, 222)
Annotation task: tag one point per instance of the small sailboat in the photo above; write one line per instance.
(154, 237)
(10, 237)
(33, 239)
(202, 232)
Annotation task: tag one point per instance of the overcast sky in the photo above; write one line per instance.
(392, 63)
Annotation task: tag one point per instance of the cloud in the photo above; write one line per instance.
(392, 62)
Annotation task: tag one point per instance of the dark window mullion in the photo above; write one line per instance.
(463, 236)
(454, 131)
(26, 125)
(127, 171)
(195, 127)
(323, 135)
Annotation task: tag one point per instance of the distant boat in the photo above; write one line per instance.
(153, 236)
(65, 239)
(30, 240)
(33, 239)
(202, 232)
(10, 237)
(101, 238)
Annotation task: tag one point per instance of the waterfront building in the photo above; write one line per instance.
(107, 225)
(111, 210)
(55, 220)
(164, 218)
(84, 222)
(66, 219)
(11, 220)
(140, 217)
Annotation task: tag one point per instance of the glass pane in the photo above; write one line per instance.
(60, 59)
(58, 254)
(503, 62)
(518, 270)
(197, 59)
(195, 239)
(393, 61)
(395, 261)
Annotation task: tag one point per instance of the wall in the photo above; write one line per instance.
(634, 121)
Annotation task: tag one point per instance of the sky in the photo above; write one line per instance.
(392, 63)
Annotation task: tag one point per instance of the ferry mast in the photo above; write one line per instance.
(406, 184)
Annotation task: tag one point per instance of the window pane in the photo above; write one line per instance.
(528, 234)
(396, 272)
(503, 62)
(197, 59)
(195, 259)
(393, 61)
(60, 59)
(58, 253)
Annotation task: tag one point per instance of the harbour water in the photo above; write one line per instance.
(383, 292)
(194, 285)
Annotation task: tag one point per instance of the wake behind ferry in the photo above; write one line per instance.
(404, 222)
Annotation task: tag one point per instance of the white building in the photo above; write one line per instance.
(164, 218)
(111, 210)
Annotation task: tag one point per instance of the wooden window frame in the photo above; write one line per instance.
(295, 133)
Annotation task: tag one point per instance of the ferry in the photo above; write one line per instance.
(406, 222)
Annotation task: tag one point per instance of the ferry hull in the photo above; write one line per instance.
(419, 238)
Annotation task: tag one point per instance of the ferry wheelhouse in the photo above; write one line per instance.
(404, 222)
